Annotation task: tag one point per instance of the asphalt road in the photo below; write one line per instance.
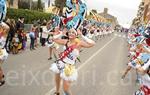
(99, 72)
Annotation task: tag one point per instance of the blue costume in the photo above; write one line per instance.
(145, 58)
(3, 9)
(79, 18)
(55, 21)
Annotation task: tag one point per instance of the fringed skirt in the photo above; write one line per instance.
(67, 71)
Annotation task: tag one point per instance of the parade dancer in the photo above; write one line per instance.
(145, 85)
(53, 47)
(145, 69)
(141, 63)
(65, 67)
(3, 52)
(53, 28)
(3, 35)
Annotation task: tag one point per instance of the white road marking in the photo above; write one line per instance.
(124, 36)
(119, 35)
(83, 64)
(95, 54)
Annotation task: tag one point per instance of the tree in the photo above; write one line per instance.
(39, 5)
(60, 4)
(23, 4)
(34, 6)
(8, 3)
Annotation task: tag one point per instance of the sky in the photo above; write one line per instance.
(124, 10)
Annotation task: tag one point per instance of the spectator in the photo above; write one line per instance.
(20, 23)
(84, 31)
(32, 38)
(15, 44)
(36, 36)
(20, 36)
(24, 41)
(7, 39)
(45, 33)
(11, 34)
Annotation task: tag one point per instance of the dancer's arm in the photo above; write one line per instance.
(57, 39)
(86, 42)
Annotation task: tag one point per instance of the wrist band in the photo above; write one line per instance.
(87, 39)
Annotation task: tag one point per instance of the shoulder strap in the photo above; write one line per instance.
(66, 52)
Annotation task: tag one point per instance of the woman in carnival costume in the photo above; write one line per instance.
(142, 64)
(53, 27)
(145, 69)
(53, 47)
(3, 34)
(65, 67)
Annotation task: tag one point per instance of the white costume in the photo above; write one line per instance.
(66, 67)
(3, 52)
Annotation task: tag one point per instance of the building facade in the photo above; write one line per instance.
(110, 18)
(146, 15)
(143, 14)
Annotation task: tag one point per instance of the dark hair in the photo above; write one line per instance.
(66, 37)
(21, 17)
(67, 34)
(148, 71)
(34, 25)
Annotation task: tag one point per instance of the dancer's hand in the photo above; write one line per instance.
(79, 32)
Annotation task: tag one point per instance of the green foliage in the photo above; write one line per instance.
(23, 4)
(29, 15)
(31, 4)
